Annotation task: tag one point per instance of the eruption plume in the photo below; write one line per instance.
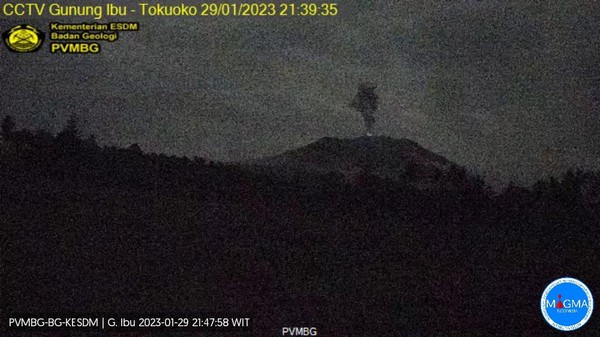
(366, 102)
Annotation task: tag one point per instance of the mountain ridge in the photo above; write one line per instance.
(389, 158)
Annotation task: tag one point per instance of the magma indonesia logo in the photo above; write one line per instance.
(23, 39)
(567, 304)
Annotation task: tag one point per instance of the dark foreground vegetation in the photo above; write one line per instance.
(89, 229)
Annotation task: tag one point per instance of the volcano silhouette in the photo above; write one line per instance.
(388, 158)
(560, 303)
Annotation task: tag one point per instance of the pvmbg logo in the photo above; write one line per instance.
(23, 39)
(567, 304)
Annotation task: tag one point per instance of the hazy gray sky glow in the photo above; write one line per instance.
(510, 87)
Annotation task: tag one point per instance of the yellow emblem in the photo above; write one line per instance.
(23, 39)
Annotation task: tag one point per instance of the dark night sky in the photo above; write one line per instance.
(509, 87)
